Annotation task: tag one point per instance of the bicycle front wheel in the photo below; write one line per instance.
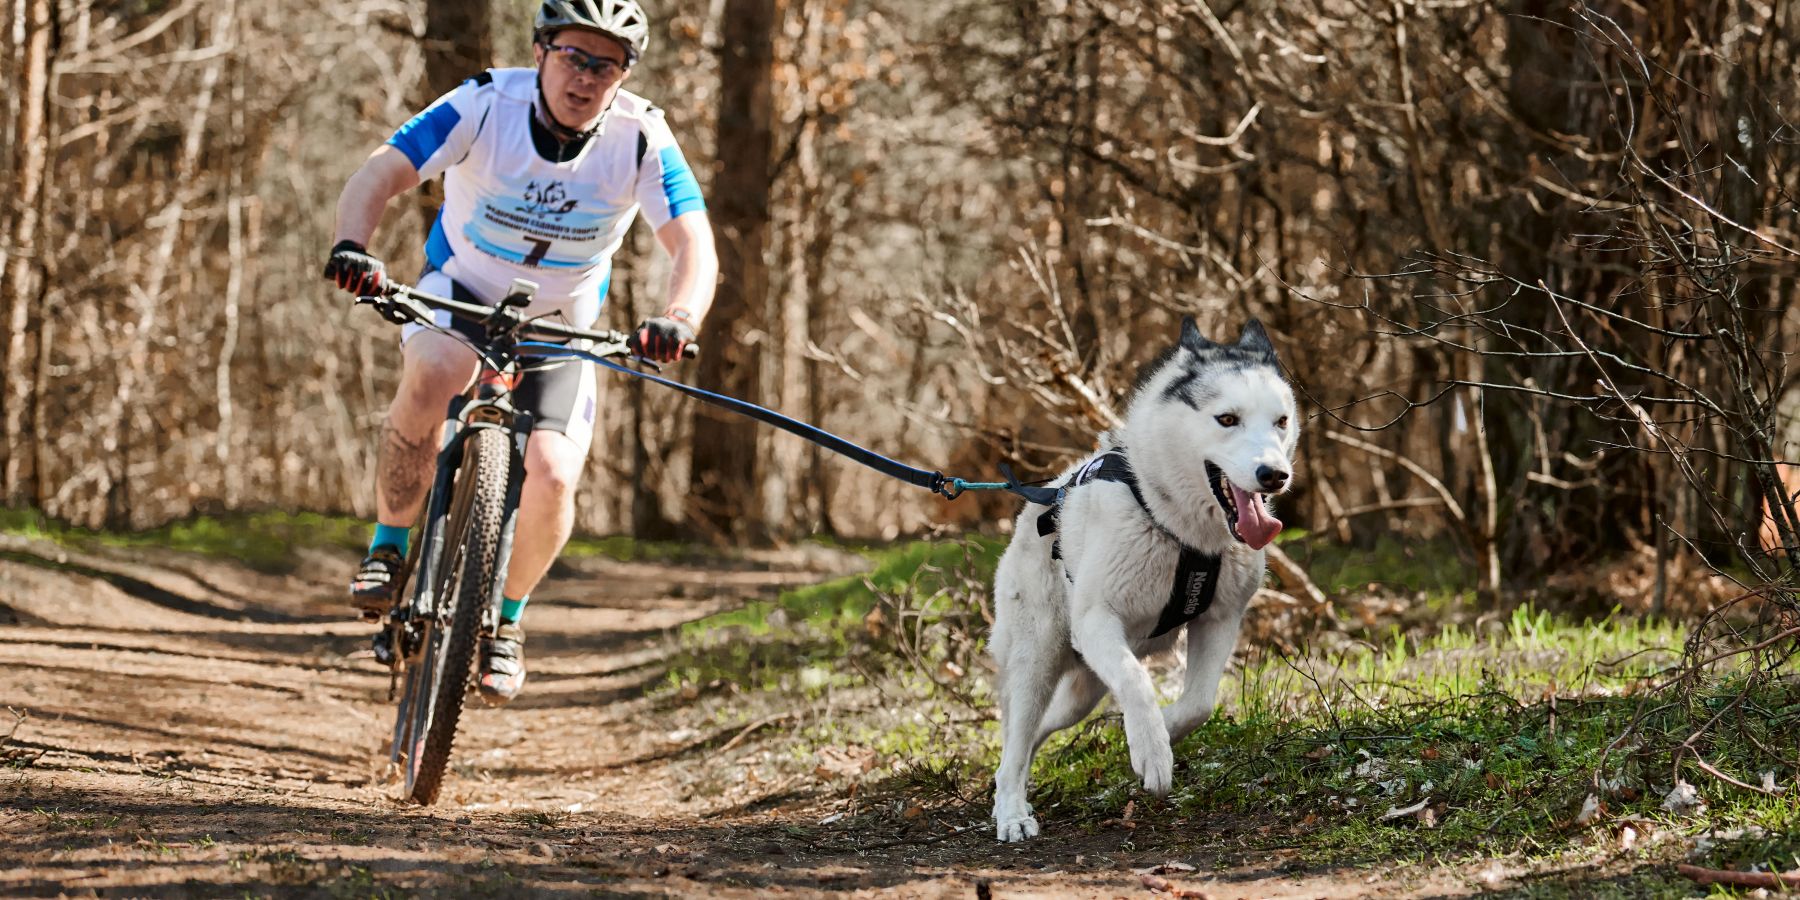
(465, 583)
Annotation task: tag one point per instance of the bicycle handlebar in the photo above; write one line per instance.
(401, 302)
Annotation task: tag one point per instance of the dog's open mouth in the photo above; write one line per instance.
(1245, 513)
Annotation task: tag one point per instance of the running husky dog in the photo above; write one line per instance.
(1165, 527)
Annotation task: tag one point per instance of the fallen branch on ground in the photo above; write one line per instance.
(1742, 879)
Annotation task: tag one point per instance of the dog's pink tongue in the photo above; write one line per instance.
(1254, 524)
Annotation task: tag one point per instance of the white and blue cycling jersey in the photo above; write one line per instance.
(510, 213)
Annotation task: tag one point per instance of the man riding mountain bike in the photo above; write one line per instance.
(544, 170)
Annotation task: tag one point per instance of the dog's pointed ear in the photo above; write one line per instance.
(1255, 339)
(1191, 337)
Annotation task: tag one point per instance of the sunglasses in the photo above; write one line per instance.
(601, 67)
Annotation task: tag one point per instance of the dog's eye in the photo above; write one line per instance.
(1281, 423)
(1228, 420)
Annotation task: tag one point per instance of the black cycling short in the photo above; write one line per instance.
(559, 395)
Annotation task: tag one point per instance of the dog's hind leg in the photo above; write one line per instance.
(1099, 637)
(1075, 697)
(1028, 677)
(1210, 641)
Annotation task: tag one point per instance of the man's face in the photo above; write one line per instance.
(576, 97)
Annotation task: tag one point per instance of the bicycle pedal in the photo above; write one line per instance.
(383, 645)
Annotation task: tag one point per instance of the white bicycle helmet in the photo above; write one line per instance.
(622, 20)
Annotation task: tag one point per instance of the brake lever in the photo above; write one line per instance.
(385, 306)
(396, 308)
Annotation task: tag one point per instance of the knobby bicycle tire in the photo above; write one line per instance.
(471, 575)
(424, 666)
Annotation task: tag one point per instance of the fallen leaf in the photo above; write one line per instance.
(872, 623)
(844, 762)
(1493, 781)
(950, 671)
(1429, 753)
(1768, 783)
(1628, 838)
(912, 812)
(1320, 752)
(1683, 799)
(1161, 885)
(1591, 809)
(1130, 807)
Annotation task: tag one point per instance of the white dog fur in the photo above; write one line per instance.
(1060, 646)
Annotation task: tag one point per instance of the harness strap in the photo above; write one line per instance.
(1196, 573)
(1196, 583)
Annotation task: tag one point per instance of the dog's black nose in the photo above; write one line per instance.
(1270, 478)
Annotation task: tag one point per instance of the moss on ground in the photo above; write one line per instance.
(269, 540)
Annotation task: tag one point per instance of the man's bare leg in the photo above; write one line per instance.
(434, 368)
(553, 464)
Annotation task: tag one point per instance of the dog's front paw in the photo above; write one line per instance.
(1013, 820)
(1016, 829)
(1153, 759)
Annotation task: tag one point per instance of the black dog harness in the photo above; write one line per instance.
(1196, 574)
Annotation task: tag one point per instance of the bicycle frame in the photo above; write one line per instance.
(491, 407)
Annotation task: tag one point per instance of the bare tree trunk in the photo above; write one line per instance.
(30, 167)
(239, 261)
(789, 497)
(725, 468)
(459, 42)
(147, 297)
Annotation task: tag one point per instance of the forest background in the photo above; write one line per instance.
(1531, 264)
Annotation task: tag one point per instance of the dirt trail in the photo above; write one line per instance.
(199, 729)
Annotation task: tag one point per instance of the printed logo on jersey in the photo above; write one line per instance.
(535, 222)
(549, 198)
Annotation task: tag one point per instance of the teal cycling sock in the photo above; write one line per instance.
(511, 610)
(394, 536)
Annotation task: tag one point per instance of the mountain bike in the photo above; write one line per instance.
(428, 640)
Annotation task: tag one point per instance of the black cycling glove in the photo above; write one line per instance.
(354, 270)
(661, 339)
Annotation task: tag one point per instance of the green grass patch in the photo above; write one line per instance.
(1463, 745)
(262, 540)
(625, 548)
(266, 540)
(923, 569)
(1461, 738)
(816, 640)
(1435, 566)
